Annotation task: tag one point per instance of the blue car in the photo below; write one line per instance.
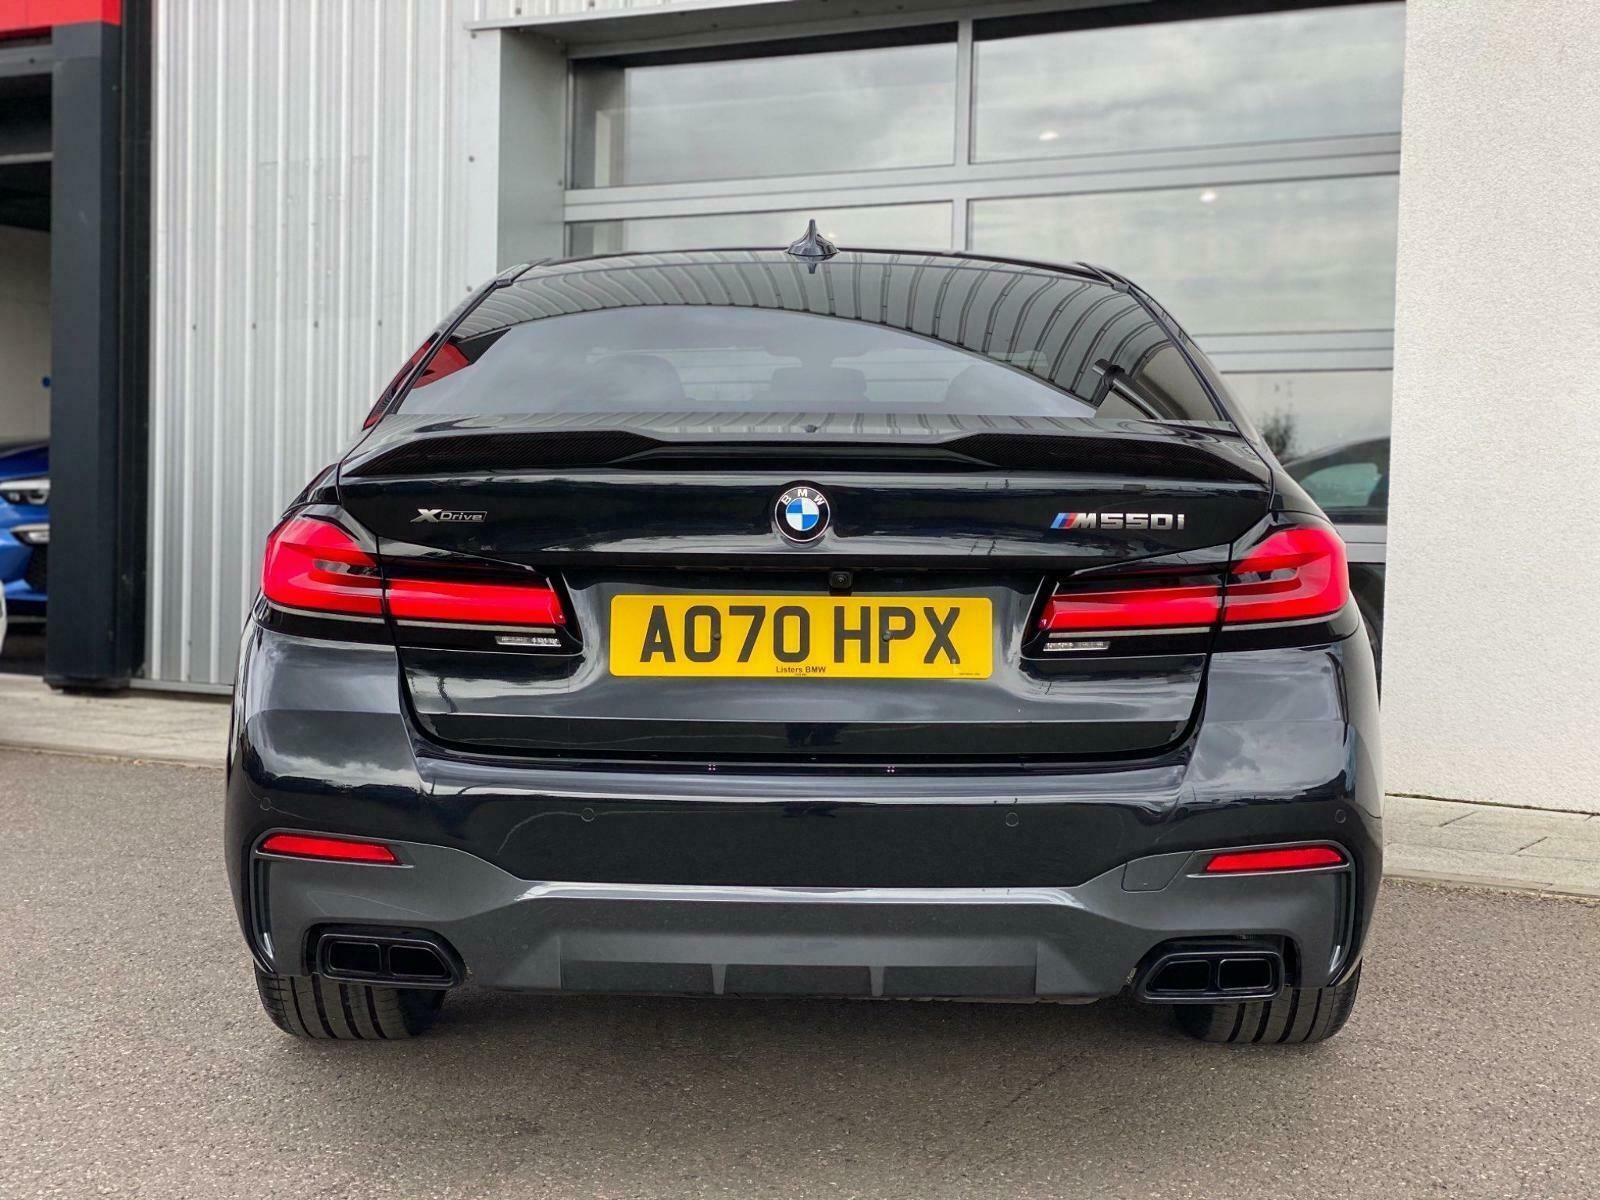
(24, 526)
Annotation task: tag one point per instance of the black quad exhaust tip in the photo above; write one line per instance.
(411, 959)
(1209, 973)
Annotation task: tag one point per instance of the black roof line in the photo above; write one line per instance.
(1086, 270)
(1121, 282)
(511, 274)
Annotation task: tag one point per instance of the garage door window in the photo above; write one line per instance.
(1307, 255)
(647, 120)
(1268, 77)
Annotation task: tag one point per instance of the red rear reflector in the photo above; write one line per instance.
(1294, 574)
(474, 603)
(1294, 858)
(316, 566)
(304, 845)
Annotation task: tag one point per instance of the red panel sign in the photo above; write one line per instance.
(40, 16)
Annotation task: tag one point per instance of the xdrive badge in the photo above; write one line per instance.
(449, 516)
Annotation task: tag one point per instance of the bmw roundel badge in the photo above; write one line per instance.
(801, 514)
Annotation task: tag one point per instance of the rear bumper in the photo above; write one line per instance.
(1044, 883)
(1072, 943)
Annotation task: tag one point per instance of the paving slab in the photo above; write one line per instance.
(1409, 860)
(192, 731)
(1488, 816)
(1581, 844)
(1496, 839)
(1569, 876)
(1415, 810)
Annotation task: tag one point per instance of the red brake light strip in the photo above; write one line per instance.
(1171, 606)
(474, 603)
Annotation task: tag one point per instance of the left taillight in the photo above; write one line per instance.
(314, 565)
(1293, 573)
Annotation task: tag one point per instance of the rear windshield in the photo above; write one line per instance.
(728, 360)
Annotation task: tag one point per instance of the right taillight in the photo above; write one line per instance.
(1296, 573)
(313, 565)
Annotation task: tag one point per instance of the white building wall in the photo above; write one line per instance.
(1492, 632)
(313, 220)
(24, 333)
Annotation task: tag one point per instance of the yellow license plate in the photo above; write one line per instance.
(830, 637)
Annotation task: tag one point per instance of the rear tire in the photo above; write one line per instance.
(309, 1006)
(1297, 1016)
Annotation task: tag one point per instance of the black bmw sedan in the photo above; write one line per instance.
(806, 622)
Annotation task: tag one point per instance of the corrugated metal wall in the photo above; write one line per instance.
(309, 230)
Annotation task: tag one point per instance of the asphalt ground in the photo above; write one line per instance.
(134, 1060)
(22, 653)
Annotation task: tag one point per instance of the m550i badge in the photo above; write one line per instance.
(1122, 520)
(449, 516)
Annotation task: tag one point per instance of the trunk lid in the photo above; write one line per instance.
(661, 538)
